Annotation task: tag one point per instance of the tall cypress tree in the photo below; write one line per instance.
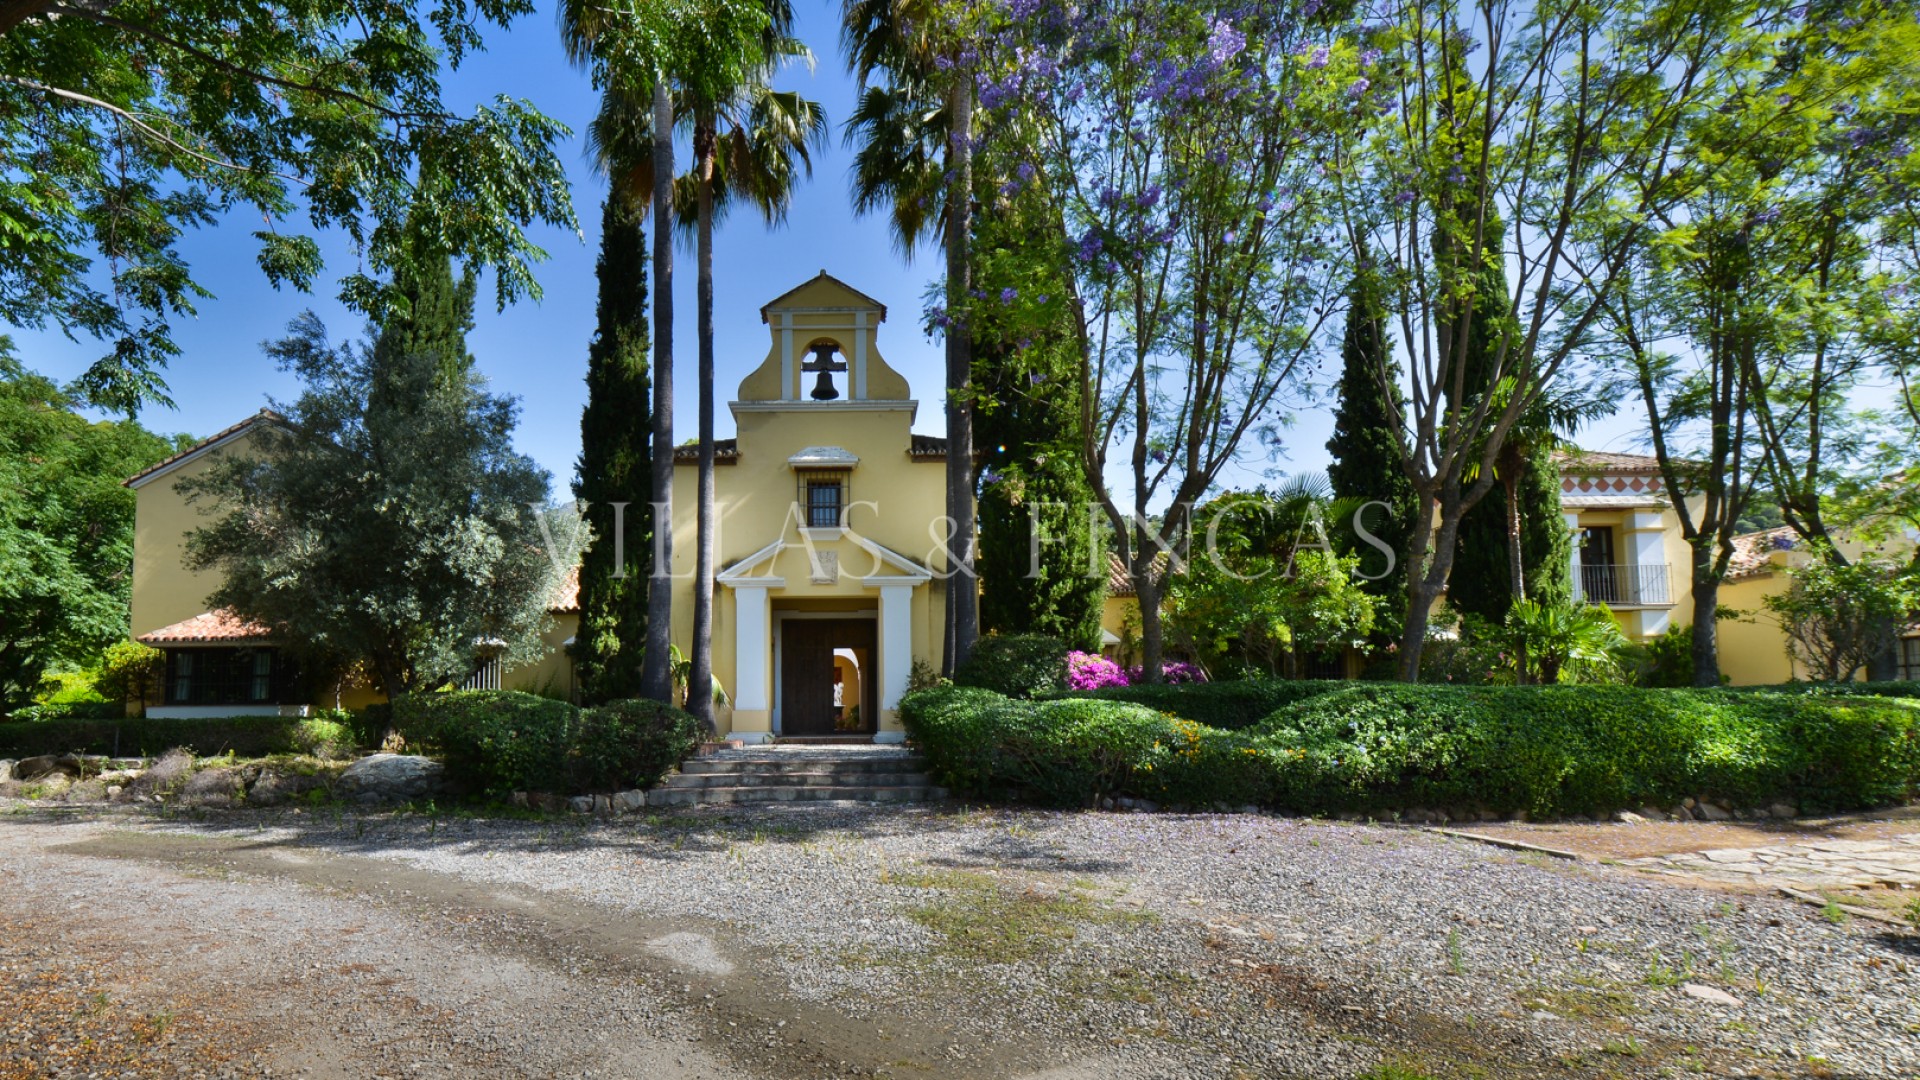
(1024, 424)
(1482, 580)
(439, 317)
(615, 467)
(1366, 463)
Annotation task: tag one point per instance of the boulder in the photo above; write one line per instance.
(275, 788)
(1783, 811)
(212, 787)
(626, 802)
(581, 804)
(1710, 812)
(34, 768)
(1628, 817)
(164, 775)
(86, 791)
(395, 778)
(51, 786)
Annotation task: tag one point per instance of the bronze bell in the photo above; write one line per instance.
(823, 388)
(823, 367)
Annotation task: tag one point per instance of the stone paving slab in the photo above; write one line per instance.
(1820, 864)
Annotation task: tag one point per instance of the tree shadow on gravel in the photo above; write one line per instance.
(1904, 943)
(663, 836)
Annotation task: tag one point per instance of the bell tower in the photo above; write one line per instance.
(824, 352)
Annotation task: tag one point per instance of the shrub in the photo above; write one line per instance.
(1229, 705)
(1017, 665)
(629, 744)
(497, 742)
(324, 737)
(246, 736)
(1071, 751)
(1091, 671)
(1549, 751)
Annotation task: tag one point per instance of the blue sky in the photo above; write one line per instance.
(536, 351)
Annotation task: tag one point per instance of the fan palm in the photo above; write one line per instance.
(751, 144)
(914, 133)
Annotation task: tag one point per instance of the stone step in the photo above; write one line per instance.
(820, 778)
(710, 796)
(782, 766)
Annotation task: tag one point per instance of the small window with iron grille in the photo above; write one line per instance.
(823, 494)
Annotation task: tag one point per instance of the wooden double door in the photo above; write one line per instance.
(815, 698)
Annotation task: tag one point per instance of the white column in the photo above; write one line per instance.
(786, 356)
(896, 643)
(1573, 529)
(750, 630)
(860, 356)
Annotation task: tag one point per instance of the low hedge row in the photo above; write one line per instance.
(1230, 705)
(1548, 751)
(498, 742)
(333, 734)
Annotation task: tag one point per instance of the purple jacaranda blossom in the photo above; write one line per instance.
(1783, 99)
(1224, 42)
(1318, 58)
(1358, 88)
(1024, 343)
(1043, 298)
(1159, 457)
(1009, 294)
(1369, 57)
(1404, 197)
(1035, 378)
(1089, 246)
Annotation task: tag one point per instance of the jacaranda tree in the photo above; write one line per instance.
(1181, 153)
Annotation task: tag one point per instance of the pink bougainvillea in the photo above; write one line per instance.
(1091, 671)
(1173, 671)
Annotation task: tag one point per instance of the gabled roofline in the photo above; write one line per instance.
(822, 275)
(204, 446)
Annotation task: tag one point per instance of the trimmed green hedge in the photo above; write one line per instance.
(501, 741)
(1017, 665)
(334, 734)
(1229, 705)
(1548, 751)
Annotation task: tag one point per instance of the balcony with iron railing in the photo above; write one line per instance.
(1626, 584)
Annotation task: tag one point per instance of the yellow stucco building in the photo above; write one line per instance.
(1630, 554)
(829, 548)
(831, 555)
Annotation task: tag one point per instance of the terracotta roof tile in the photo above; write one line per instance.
(566, 595)
(207, 627)
(1576, 460)
(725, 452)
(227, 433)
(1753, 552)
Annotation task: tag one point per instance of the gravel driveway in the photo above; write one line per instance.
(827, 941)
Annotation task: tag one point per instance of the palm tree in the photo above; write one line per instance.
(750, 143)
(630, 98)
(927, 95)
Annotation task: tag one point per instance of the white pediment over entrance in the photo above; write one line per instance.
(759, 570)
